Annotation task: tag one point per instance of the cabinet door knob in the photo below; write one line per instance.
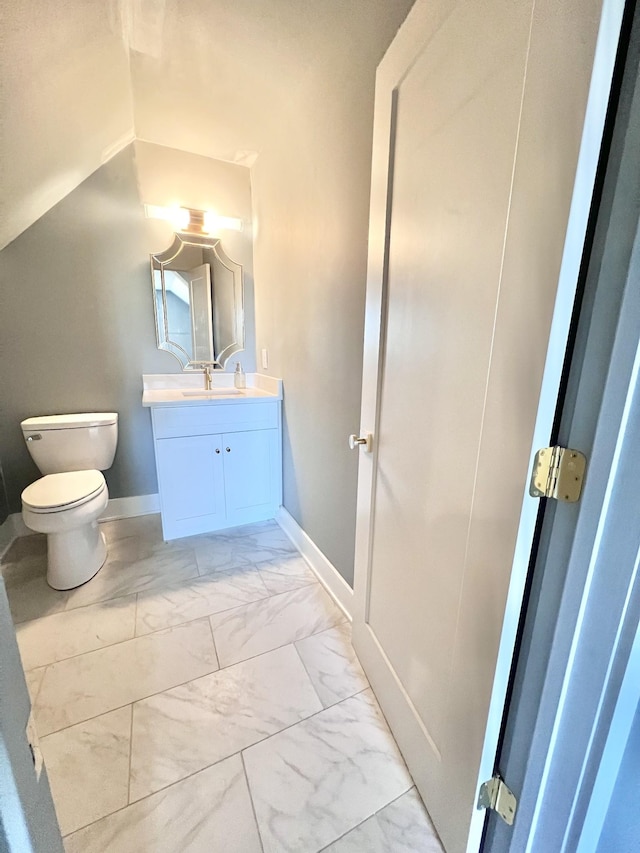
(217, 450)
(228, 449)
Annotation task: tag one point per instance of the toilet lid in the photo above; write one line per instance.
(87, 419)
(63, 491)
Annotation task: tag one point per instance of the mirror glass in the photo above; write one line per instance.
(198, 300)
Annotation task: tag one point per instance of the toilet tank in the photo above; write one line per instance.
(59, 443)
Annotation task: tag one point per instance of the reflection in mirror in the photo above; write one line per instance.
(198, 300)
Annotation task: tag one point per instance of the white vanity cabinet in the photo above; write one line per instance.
(219, 464)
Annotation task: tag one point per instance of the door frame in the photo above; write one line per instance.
(594, 124)
(409, 41)
(542, 758)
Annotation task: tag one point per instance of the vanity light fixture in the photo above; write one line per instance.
(179, 217)
(191, 221)
(213, 223)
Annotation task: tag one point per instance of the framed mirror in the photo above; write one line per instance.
(199, 301)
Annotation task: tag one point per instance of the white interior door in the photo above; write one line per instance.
(479, 117)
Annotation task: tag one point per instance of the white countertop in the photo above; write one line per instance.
(166, 389)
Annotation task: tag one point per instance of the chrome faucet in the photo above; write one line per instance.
(208, 379)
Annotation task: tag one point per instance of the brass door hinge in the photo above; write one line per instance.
(558, 472)
(495, 796)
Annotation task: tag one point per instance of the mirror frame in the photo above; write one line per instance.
(160, 261)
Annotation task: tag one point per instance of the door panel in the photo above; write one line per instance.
(192, 486)
(478, 126)
(450, 200)
(248, 459)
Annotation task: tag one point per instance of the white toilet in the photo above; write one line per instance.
(71, 451)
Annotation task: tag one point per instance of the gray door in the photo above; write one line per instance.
(567, 735)
(28, 821)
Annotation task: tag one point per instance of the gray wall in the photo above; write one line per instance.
(311, 201)
(76, 322)
(4, 503)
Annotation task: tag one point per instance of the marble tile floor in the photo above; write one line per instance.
(203, 695)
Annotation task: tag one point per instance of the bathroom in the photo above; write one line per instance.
(264, 114)
(78, 333)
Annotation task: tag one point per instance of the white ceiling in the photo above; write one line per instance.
(81, 78)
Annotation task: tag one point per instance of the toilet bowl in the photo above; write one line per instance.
(66, 507)
(66, 503)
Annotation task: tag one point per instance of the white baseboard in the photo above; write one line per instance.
(14, 526)
(130, 507)
(326, 572)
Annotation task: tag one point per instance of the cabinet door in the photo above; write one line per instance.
(191, 484)
(250, 460)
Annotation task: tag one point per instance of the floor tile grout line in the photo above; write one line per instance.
(215, 650)
(133, 536)
(287, 728)
(180, 684)
(71, 609)
(237, 752)
(133, 592)
(208, 570)
(281, 646)
(124, 705)
(304, 666)
(352, 829)
(135, 617)
(188, 540)
(170, 628)
(241, 753)
(304, 720)
(183, 684)
(307, 582)
(138, 636)
(228, 536)
(199, 573)
(371, 816)
(205, 616)
(245, 748)
(121, 642)
(413, 787)
(253, 805)
(33, 699)
(164, 789)
(130, 756)
(205, 675)
(97, 603)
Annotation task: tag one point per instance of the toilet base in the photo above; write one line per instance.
(74, 556)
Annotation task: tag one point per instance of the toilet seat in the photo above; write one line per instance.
(59, 492)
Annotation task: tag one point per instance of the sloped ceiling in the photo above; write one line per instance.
(66, 102)
(214, 77)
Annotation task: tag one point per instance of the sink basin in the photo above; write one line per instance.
(212, 392)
